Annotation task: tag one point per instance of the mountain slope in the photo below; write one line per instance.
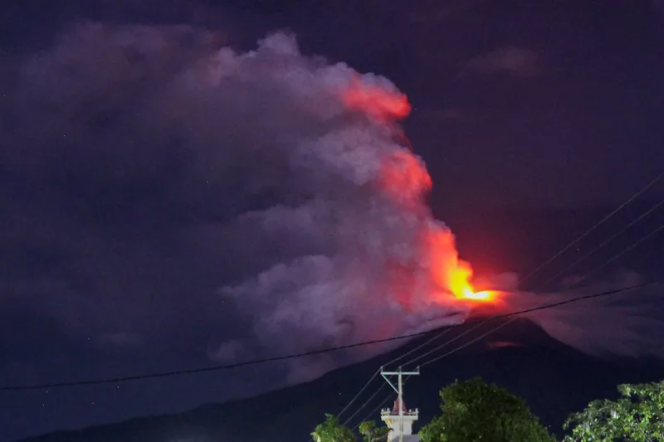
(553, 378)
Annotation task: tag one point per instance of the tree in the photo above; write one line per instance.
(637, 415)
(332, 431)
(476, 411)
(372, 433)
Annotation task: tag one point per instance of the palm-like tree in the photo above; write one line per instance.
(332, 431)
(372, 433)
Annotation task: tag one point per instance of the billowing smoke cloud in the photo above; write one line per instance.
(274, 192)
(283, 182)
(377, 258)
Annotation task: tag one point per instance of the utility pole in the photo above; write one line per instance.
(399, 389)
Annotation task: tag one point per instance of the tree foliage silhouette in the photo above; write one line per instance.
(476, 411)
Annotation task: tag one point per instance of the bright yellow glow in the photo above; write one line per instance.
(453, 273)
(485, 295)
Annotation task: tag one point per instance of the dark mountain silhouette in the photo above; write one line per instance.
(554, 378)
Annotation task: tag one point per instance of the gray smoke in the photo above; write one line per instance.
(267, 191)
(264, 194)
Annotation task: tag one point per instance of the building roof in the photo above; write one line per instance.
(395, 408)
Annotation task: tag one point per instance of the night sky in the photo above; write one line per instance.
(121, 194)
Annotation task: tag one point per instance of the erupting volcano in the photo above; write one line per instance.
(372, 261)
(405, 179)
(347, 248)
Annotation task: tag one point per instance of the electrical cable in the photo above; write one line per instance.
(398, 358)
(479, 337)
(301, 355)
(387, 398)
(437, 358)
(438, 336)
(350, 418)
(407, 353)
(604, 243)
(467, 344)
(602, 221)
(471, 342)
(589, 231)
(480, 323)
(634, 196)
(460, 335)
(358, 394)
(633, 246)
(389, 395)
(618, 255)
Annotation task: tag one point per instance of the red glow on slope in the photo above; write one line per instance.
(505, 344)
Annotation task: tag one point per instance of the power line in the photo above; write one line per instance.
(475, 326)
(634, 196)
(633, 246)
(607, 241)
(460, 335)
(437, 358)
(411, 361)
(398, 358)
(467, 344)
(650, 235)
(389, 395)
(592, 229)
(305, 354)
(350, 418)
(545, 263)
(387, 398)
(438, 336)
(471, 342)
(358, 395)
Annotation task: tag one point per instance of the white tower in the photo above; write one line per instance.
(399, 419)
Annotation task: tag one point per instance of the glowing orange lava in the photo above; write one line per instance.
(451, 273)
(462, 288)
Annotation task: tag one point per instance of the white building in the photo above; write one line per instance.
(398, 422)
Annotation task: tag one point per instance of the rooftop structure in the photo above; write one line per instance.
(394, 420)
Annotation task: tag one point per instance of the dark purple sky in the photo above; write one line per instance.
(109, 262)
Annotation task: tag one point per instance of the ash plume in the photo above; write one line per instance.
(262, 193)
(269, 196)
